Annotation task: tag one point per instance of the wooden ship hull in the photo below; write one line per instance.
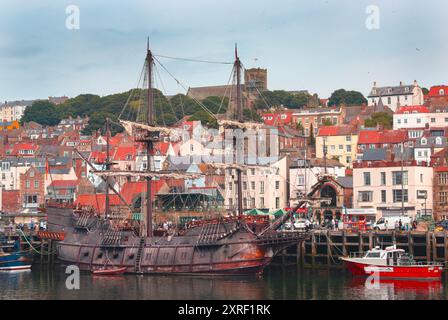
(215, 247)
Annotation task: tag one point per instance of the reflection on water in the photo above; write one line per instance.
(276, 283)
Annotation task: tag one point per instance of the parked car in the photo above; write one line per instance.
(388, 223)
(287, 225)
(300, 224)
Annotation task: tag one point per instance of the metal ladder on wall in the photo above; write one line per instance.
(138, 259)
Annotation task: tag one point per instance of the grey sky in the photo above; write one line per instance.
(316, 45)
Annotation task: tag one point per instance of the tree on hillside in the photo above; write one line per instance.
(311, 140)
(98, 121)
(277, 98)
(425, 91)
(216, 104)
(348, 98)
(43, 112)
(205, 118)
(300, 127)
(251, 115)
(382, 118)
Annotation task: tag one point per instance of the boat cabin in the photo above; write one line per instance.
(391, 256)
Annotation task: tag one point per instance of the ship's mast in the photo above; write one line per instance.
(107, 168)
(149, 144)
(239, 112)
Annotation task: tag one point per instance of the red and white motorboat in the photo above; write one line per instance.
(392, 263)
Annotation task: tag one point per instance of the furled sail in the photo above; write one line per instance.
(241, 125)
(130, 125)
(147, 174)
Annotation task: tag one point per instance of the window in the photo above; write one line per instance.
(366, 178)
(230, 185)
(277, 185)
(341, 147)
(389, 101)
(446, 119)
(423, 141)
(438, 140)
(419, 120)
(433, 120)
(252, 185)
(262, 202)
(383, 178)
(244, 185)
(349, 159)
(27, 184)
(348, 138)
(441, 92)
(32, 174)
(383, 196)
(443, 178)
(252, 200)
(399, 121)
(421, 177)
(348, 148)
(252, 171)
(365, 196)
(277, 202)
(261, 186)
(301, 180)
(230, 202)
(443, 197)
(398, 195)
(399, 178)
(191, 147)
(36, 184)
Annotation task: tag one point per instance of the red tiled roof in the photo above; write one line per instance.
(131, 189)
(275, 119)
(97, 201)
(64, 183)
(98, 156)
(435, 91)
(412, 109)
(386, 136)
(122, 153)
(342, 130)
(162, 147)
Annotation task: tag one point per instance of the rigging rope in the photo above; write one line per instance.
(192, 60)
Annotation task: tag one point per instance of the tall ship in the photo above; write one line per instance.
(225, 245)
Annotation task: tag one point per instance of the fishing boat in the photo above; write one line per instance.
(392, 263)
(12, 258)
(109, 271)
(224, 245)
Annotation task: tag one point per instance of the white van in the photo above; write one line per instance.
(388, 223)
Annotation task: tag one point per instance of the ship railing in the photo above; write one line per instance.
(358, 254)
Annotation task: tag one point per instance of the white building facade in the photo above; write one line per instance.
(395, 96)
(378, 185)
(263, 187)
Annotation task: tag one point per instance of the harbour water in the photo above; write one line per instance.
(276, 283)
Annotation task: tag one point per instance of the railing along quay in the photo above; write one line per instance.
(324, 247)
